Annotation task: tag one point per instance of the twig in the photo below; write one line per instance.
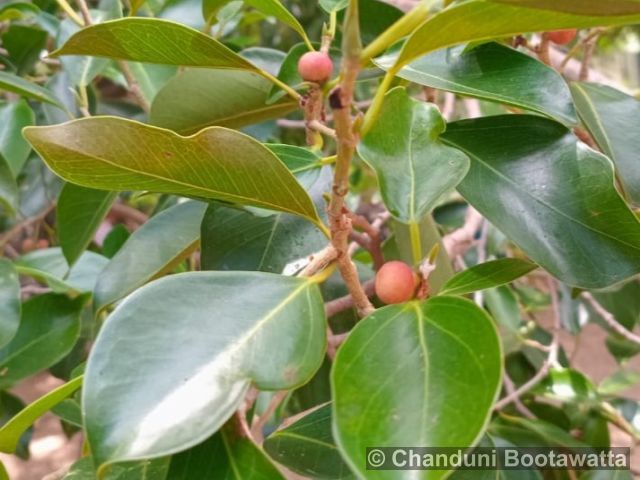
(543, 49)
(481, 248)
(550, 361)
(341, 99)
(260, 421)
(343, 303)
(84, 11)
(334, 342)
(17, 228)
(459, 241)
(319, 261)
(511, 388)
(134, 86)
(124, 210)
(610, 319)
(589, 48)
(318, 126)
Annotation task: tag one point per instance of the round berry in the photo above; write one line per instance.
(43, 243)
(396, 282)
(562, 37)
(315, 67)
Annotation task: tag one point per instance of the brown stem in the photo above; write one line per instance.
(341, 99)
(134, 87)
(610, 319)
(543, 49)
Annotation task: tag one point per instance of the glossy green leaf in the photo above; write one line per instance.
(157, 469)
(11, 431)
(487, 275)
(375, 17)
(488, 19)
(10, 406)
(9, 301)
(224, 456)
(610, 116)
(414, 167)
(240, 239)
(13, 83)
(80, 211)
(502, 303)
(152, 250)
(24, 44)
(49, 328)
(199, 98)
(210, 9)
(8, 187)
(550, 194)
(151, 40)
(307, 447)
(438, 368)
(494, 72)
(213, 345)
(236, 239)
(14, 116)
(581, 7)
(17, 10)
(116, 154)
(533, 432)
(50, 266)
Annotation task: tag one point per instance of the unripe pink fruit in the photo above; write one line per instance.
(315, 67)
(396, 282)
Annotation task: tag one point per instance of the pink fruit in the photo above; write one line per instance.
(562, 37)
(396, 282)
(315, 67)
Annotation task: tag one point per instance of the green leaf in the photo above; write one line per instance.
(199, 98)
(8, 187)
(610, 116)
(24, 44)
(487, 275)
(79, 213)
(275, 9)
(307, 447)
(18, 10)
(157, 469)
(9, 301)
(210, 9)
(502, 303)
(623, 301)
(550, 194)
(112, 153)
(488, 19)
(333, 5)
(50, 266)
(81, 70)
(10, 406)
(151, 40)
(618, 382)
(13, 83)
(229, 330)
(224, 456)
(11, 431)
(241, 239)
(48, 330)
(14, 116)
(236, 239)
(438, 368)
(581, 7)
(414, 167)
(152, 250)
(494, 72)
